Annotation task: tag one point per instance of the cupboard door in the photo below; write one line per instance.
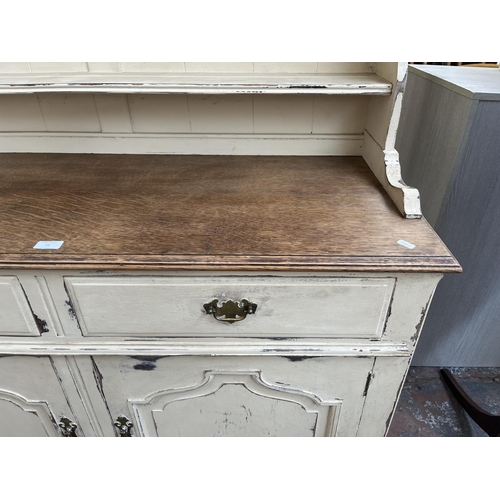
(32, 402)
(231, 396)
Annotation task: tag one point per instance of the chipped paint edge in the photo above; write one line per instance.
(386, 167)
(123, 347)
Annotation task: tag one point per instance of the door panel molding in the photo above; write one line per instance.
(39, 408)
(147, 411)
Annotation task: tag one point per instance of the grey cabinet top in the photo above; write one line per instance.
(475, 83)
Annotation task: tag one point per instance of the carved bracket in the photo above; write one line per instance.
(385, 165)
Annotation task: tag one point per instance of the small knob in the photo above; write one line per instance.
(124, 426)
(68, 428)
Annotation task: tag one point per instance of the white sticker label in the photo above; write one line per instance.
(406, 244)
(48, 245)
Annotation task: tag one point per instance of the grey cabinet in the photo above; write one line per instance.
(449, 145)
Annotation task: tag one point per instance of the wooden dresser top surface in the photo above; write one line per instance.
(221, 213)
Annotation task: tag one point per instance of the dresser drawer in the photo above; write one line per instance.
(16, 317)
(285, 307)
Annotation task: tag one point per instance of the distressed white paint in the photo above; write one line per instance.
(212, 346)
(31, 398)
(16, 317)
(365, 376)
(385, 165)
(297, 390)
(41, 303)
(286, 307)
(180, 124)
(410, 300)
(382, 397)
(22, 418)
(196, 83)
(237, 404)
(380, 136)
(393, 125)
(81, 395)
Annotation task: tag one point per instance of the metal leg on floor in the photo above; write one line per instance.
(488, 422)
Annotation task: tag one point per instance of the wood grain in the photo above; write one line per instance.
(206, 212)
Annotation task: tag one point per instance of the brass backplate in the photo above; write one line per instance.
(230, 311)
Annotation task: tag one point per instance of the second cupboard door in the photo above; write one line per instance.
(230, 396)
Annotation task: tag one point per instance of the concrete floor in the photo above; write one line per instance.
(427, 407)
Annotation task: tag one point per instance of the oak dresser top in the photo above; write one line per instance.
(259, 213)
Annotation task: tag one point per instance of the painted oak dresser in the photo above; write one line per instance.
(263, 271)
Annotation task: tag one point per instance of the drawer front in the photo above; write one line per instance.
(16, 318)
(286, 307)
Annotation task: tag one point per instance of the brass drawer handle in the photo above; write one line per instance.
(230, 311)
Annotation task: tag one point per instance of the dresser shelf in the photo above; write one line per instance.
(195, 83)
(207, 212)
